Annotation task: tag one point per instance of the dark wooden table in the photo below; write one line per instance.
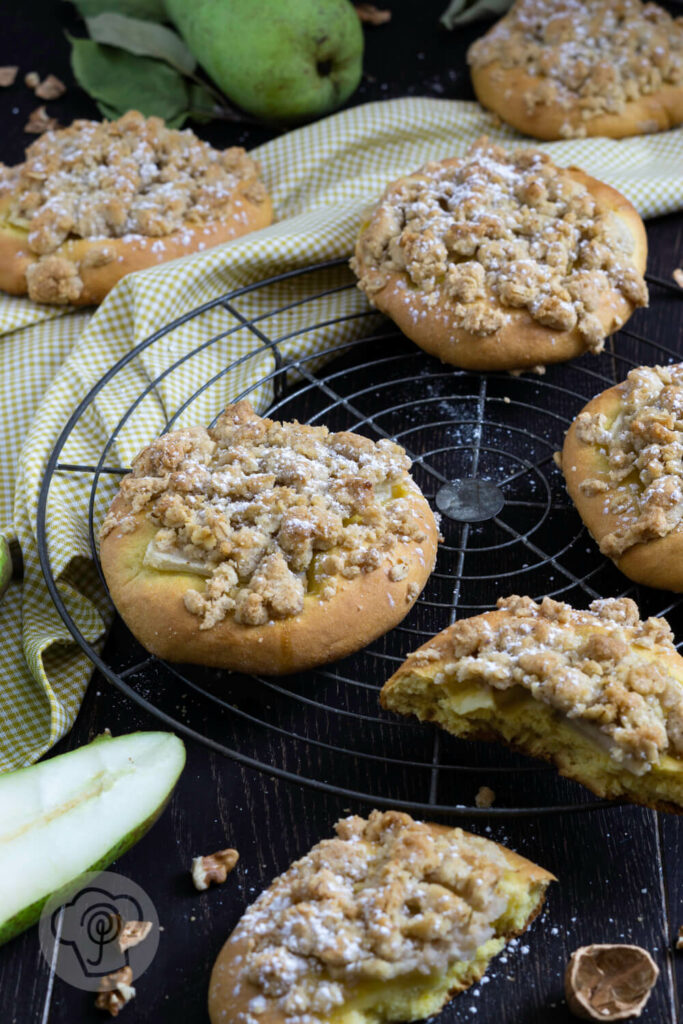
(619, 869)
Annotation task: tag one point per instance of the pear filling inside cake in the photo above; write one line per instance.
(269, 513)
(381, 923)
(641, 453)
(598, 692)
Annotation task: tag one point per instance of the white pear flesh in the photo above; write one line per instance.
(77, 812)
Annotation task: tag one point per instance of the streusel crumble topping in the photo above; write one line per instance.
(120, 179)
(497, 231)
(596, 667)
(643, 485)
(386, 897)
(269, 511)
(590, 55)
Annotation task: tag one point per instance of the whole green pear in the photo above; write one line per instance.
(281, 60)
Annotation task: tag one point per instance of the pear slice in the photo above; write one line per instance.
(77, 812)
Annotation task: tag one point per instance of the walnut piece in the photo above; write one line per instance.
(495, 231)
(644, 440)
(371, 15)
(115, 990)
(590, 57)
(39, 121)
(132, 933)
(214, 868)
(485, 797)
(8, 74)
(609, 982)
(32, 79)
(51, 88)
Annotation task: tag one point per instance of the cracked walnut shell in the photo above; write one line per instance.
(503, 261)
(609, 981)
(261, 546)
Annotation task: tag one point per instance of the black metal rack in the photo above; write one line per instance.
(324, 728)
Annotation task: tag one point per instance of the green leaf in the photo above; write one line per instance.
(150, 10)
(143, 38)
(460, 12)
(120, 81)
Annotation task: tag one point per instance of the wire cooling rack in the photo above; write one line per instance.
(482, 449)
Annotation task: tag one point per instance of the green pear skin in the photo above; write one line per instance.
(165, 758)
(280, 60)
(29, 915)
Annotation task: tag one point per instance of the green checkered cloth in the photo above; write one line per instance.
(322, 178)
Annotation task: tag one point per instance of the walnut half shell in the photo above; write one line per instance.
(609, 982)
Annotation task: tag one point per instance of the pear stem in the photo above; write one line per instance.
(222, 108)
(220, 112)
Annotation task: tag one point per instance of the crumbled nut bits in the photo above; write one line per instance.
(115, 990)
(213, 868)
(371, 15)
(609, 982)
(51, 88)
(485, 797)
(132, 933)
(39, 121)
(8, 74)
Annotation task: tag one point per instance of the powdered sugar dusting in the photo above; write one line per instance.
(470, 239)
(588, 57)
(269, 512)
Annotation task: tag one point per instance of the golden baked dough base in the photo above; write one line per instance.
(130, 254)
(503, 90)
(408, 998)
(530, 726)
(150, 601)
(521, 343)
(656, 563)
